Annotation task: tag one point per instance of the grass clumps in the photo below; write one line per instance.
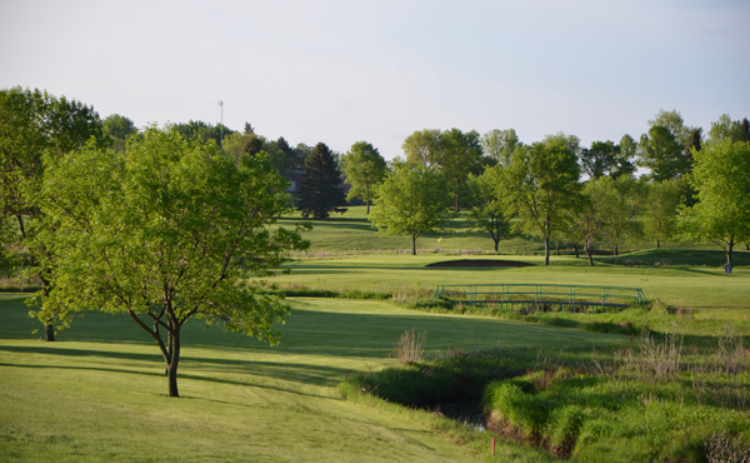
(654, 404)
(410, 346)
(325, 293)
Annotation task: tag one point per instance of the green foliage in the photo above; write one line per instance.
(454, 153)
(606, 158)
(721, 176)
(661, 152)
(365, 170)
(411, 201)
(660, 211)
(320, 190)
(727, 129)
(541, 186)
(487, 208)
(673, 121)
(167, 232)
(620, 202)
(500, 145)
(118, 126)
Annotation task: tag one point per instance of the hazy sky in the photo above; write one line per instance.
(345, 71)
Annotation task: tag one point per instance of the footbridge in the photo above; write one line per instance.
(541, 297)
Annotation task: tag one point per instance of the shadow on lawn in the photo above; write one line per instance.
(296, 372)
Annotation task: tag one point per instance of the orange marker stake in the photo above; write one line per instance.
(493, 446)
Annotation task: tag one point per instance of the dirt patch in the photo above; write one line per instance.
(476, 263)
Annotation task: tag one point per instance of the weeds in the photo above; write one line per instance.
(721, 448)
(410, 346)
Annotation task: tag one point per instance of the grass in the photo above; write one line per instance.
(99, 391)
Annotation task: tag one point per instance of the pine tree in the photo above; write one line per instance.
(320, 189)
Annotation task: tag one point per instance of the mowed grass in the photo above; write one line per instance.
(683, 286)
(99, 392)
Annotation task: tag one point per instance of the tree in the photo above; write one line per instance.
(487, 209)
(661, 152)
(621, 202)
(727, 129)
(721, 176)
(660, 211)
(628, 151)
(500, 144)
(454, 153)
(586, 221)
(411, 201)
(165, 233)
(541, 185)
(365, 170)
(32, 123)
(118, 126)
(320, 189)
(601, 159)
(674, 122)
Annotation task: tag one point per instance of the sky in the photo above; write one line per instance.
(345, 71)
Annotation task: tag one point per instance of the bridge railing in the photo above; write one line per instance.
(541, 295)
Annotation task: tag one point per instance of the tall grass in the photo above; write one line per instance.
(410, 346)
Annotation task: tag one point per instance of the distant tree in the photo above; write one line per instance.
(727, 129)
(500, 145)
(660, 211)
(33, 123)
(487, 207)
(423, 147)
(118, 126)
(721, 176)
(199, 130)
(365, 170)
(628, 152)
(411, 201)
(320, 189)
(663, 154)
(253, 145)
(693, 143)
(248, 129)
(621, 201)
(673, 121)
(168, 232)
(601, 159)
(301, 153)
(586, 222)
(454, 153)
(541, 186)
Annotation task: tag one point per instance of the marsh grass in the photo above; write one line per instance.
(410, 346)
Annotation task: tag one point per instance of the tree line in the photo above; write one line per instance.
(165, 225)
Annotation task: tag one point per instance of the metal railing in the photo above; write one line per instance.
(539, 296)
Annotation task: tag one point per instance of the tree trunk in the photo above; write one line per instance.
(557, 247)
(729, 251)
(413, 245)
(368, 208)
(546, 250)
(617, 249)
(49, 332)
(575, 247)
(747, 246)
(658, 244)
(496, 243)
(587, 248)
(174, 347)
(458, 204)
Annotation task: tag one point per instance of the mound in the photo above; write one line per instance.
(475, 263)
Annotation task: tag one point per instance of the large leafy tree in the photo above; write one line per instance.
(663, 154)
(660, 211)
(411, 201)
(165, 233)
(487, 208)
(33, 123)
(119, 128)
(541, 186)
(727, 129)
(321, 193)
(721, 176)
(454, 153)
(673, 121)
(365, 170)
(500, 145)
(586, 221)
(622, 201)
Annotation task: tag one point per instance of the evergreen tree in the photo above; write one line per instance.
(320, 189)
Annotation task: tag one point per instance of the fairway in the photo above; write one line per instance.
(100, 393)
(696, 287)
